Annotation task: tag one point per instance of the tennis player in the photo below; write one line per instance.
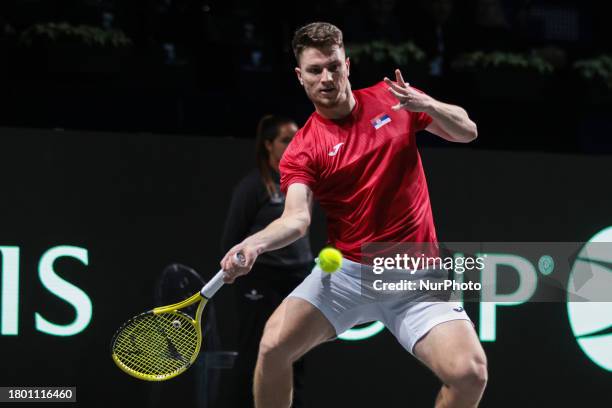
(357, 155)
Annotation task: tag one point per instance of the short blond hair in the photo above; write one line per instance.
(317, 35)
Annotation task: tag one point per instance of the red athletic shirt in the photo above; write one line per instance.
(365, 171)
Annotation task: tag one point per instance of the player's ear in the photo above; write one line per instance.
(348, 66)
(268, 144)
(298, 73)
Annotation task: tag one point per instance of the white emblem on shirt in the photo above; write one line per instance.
(335, 149)
(253, 295)
(276, 198)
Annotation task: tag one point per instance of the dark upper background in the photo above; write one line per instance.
(212, 68)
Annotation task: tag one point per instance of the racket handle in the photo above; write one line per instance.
(217, 281)
(213, 285)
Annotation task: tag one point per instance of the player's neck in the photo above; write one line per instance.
(274, 164)
(340, 111)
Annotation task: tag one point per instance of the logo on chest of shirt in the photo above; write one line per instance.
(276, 198)
(380, 120)
(253, 295)
(335, 149)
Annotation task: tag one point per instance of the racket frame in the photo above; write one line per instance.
(202, 296)
(173, 308)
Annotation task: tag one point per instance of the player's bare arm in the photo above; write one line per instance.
(291, 226)
(450, 122)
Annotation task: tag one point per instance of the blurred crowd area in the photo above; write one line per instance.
(214, 67)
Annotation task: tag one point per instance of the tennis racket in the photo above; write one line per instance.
(164, 342)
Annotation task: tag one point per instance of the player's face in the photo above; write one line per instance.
(277, 147)
(324, 75)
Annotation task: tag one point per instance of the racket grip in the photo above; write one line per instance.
(213, 285)
(217, 281)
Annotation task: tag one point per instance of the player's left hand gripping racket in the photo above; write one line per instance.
(162, 343)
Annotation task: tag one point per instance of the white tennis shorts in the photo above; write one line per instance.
(346, 299)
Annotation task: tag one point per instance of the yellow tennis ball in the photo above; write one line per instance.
(330, 260)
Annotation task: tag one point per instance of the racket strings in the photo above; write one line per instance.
(157, 345)
(137, 357)
(159, 348)
(152, 351)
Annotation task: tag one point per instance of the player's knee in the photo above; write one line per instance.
(470, 375)
(273, 349)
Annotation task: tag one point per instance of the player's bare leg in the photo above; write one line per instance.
(295, 327)
(453, 352)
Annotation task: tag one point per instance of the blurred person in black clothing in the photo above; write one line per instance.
(257, 201)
